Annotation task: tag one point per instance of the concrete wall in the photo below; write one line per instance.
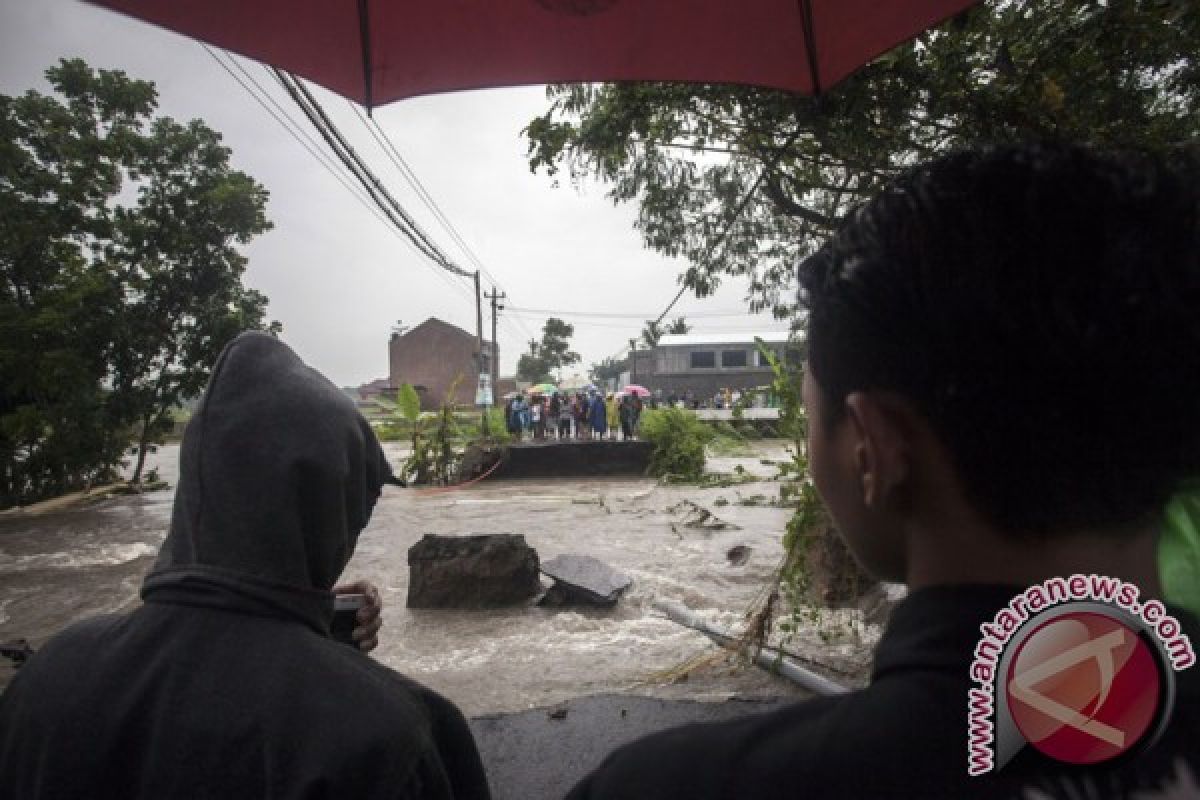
(430, 357)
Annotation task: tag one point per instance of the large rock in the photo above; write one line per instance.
(583, 580)
(479, 571)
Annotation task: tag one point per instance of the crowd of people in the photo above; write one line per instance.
(581, 416)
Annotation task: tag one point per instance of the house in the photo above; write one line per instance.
(434, 357)
(705, 363)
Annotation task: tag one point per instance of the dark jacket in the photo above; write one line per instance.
(903, 736)
(225, 683)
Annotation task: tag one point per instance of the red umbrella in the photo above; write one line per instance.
(634, 388)
(377, 51)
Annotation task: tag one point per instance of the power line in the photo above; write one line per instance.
(737, 212)
(289, 128)
(409, 174)
(378, 193)
(625, 315)
(321, 158)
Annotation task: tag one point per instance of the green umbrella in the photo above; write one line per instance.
(543, 388)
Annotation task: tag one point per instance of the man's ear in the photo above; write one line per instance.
(882, 435)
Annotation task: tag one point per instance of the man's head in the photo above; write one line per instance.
(1030, 316)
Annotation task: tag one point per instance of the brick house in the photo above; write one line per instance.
(704, 363)
(431, 357)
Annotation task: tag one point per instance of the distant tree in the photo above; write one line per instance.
(651, 333)
(679, 326)
(555, 348)
(608, 369)
(532, 368)
(552, 353)
(119, 281)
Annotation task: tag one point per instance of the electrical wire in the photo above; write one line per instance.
(381, 196)
(295, 131)
(409, 174)
(737, 212)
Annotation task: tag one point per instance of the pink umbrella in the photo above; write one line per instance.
(640, 391)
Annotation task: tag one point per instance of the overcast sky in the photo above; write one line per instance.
(338, 278)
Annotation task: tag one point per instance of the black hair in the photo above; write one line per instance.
(1039, 306)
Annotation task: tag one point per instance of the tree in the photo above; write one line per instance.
(608, 369)
(552, 353)
(679, 326)
(744, 181)
(651, 333)
(112, 310)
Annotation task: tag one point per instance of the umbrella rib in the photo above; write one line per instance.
(810, 44)
(364, 35)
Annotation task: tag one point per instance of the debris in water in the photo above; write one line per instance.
(583, 580)
(700, 518)
(739, 554)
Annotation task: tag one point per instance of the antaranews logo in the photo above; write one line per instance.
(1076, 667)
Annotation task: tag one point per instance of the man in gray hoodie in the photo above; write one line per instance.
(225, 682)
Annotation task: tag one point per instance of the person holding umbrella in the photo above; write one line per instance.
(625, 412)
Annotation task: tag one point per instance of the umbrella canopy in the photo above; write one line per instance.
(377, 51)
(511, 396)
(634, 388)
(543, 388)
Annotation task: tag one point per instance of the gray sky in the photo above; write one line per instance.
(337, 277)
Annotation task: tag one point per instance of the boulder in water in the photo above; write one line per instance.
(477, 571)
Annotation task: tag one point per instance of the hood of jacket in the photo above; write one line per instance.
(278, 475)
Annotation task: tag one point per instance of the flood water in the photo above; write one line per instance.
(62, 566)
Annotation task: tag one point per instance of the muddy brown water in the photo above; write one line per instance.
(59, 567)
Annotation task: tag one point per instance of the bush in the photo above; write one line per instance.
(679, 439)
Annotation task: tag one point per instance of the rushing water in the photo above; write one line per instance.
(58, 567)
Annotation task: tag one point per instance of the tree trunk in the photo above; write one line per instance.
(141, 456)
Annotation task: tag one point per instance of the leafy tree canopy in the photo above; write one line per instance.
(744, 181)
(120, 281)
(651, 333)
(679, 326)
(549, 355)
(608, 369)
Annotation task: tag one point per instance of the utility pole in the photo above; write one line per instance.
(495, 297)
(633, 360)
(479, 350)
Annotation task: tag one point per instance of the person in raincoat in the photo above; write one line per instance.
(598, 415)
(626, 414)
(612, 417)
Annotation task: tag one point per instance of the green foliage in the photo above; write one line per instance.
(1120, 74)
(552, 353)
(679, 439)
(408, 403)
(679, 326)
(608, 369)
(119, 279)
(651, 333)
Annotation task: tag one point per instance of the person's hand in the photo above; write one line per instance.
(369, 618)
